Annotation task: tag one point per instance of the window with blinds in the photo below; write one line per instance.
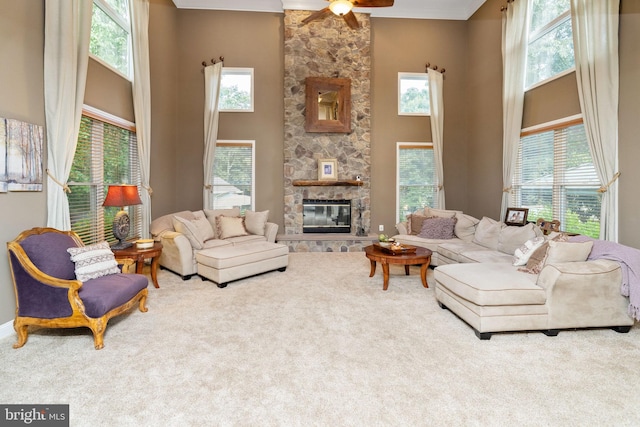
(106, 154)
(416, 178)
(556, 179)
(234, 175)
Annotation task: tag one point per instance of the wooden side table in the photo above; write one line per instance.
(139, 255)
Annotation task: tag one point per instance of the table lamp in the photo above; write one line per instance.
(122, 195)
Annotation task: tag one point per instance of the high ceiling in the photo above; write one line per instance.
(418, 9)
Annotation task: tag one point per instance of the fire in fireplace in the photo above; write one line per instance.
(326, 216)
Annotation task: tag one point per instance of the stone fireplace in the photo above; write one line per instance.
(326, 48)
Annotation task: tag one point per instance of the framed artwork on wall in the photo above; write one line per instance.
(516, 216)
(327, 170)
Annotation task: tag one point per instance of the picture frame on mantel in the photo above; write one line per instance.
(327, 170)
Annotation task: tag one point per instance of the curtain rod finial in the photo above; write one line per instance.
(204, 64)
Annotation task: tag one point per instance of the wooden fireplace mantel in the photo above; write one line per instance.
(318, 183)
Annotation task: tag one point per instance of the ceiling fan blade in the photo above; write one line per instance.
(372, 3)
(351, 20)
(322, 13)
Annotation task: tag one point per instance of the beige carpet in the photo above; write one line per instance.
(321, 344)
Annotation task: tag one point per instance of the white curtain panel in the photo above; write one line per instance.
(437, 129)
(595, 40)
(212, 76)
(66, 54)
(142, 102)
(514, 49)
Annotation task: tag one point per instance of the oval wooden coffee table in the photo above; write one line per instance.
(421, 257)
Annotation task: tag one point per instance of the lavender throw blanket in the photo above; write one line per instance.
(629, 259)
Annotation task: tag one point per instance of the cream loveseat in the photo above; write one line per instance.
(219, 245)
(551, 287)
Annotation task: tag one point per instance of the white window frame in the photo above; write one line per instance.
(400, 146)
(558, 191)
(252, 143)
(123, 23)
(541, 32)
(403, 76)
(100, 118)
(239, 71)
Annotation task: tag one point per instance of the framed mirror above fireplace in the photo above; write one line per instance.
(328, 105)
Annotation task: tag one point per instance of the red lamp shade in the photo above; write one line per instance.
(122, 195)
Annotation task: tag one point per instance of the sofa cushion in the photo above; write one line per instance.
(216, 243)
(165, 222)
(249, 238)
(212, 214)
(255, 222)
(487, 233)
(438, 228)
(441, 213)
(465, 227)
(485, 256)
(229, 226)
(93, 261)
(452, 250)
(568, 251)
(490, 284)
(512, 237)
(197, 230)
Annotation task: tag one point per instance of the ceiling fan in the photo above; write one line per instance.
(343, 8)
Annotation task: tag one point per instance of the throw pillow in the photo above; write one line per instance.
(537, 259)
(568, 251)
(197, 230)
(523, 253)
(93, 261)
(438, 228)
(229, 226)
(512, 237)
(487, 232)
(212, 214)
(255, 222)
(415, 223)
(465, 227)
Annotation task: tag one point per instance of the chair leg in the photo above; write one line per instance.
(551, 332)
(483, 335)
(143, 302)
(22, 332)
(98, 327)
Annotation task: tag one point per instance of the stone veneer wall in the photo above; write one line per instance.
(326, 48)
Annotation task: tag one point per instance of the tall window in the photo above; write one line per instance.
(234, 175)
(416, 178)
(550, 41)
(556, 179)
(107, 153)
(111, 34)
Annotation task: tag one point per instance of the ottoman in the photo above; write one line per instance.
(225, 264)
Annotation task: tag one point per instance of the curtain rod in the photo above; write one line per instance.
(503, 8)
(434, 67)
(213, 61)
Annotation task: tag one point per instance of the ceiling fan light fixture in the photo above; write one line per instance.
(341, 7)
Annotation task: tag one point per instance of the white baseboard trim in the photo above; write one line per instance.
(6, 330)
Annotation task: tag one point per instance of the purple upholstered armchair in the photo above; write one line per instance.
(49, 295)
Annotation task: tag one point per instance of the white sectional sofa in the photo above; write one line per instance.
(552, 287)
(220, 245)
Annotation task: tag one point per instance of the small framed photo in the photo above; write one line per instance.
(516, 216)
(327, 170)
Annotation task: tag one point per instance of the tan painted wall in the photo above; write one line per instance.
(406, 45)
(21, 87)
(202, 36)
(163, 51)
